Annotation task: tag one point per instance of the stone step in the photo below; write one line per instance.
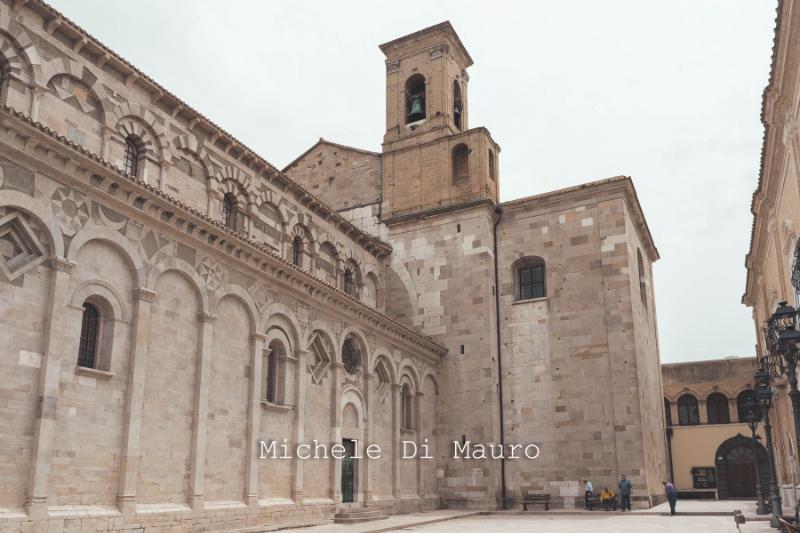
(357, 515)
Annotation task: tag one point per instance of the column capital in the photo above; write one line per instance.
(63, 264)
(420, 394)
(258, 337)
(205, 316)
(396, 386)
(144, 294)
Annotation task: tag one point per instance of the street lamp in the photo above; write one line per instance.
(764, 400)
(783, 338)
(752, 417)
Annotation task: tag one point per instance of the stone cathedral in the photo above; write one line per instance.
(172, 305)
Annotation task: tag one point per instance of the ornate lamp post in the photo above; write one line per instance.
(783, 340)
(752, 417)
(764, 398)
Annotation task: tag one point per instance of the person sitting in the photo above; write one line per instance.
(608, 499)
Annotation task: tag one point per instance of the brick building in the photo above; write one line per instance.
(169, 299)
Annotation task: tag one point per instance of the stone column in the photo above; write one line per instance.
(254, 419)
(418, 431)
(367, 435)
(396, 440)
(58, 328)
(36, 98)
(336, 430)
(200, 415)
(104, 142)
(299, 423)
(163, 165)
(129, 467)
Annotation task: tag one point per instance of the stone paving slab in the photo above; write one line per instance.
(628, 523)
(393, 523)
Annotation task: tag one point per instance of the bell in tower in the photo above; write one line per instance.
(415, 98)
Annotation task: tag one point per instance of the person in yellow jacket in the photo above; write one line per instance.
(608, 499)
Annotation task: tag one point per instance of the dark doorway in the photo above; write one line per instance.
(737, 461)
(348, 470)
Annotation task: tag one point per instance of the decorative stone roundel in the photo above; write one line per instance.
(351, 356)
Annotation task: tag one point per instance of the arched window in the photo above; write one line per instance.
(275, 370)
(351, 356)
(642, 277)
(230, 211)
(688, 413)
(491, 165)
(132, 156)
(349, 282)
(741, 403)
(297, 250)
(408, 419)
(717, 409)
(667, 412)
(530, 278)
(415, 98)
(272, 376)
(458, 107)
(90, 336)
(460, 163)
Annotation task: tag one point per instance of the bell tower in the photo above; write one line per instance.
(431, 159)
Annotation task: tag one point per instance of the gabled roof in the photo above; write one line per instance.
(322, 141)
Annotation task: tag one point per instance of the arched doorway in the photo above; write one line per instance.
(736, 462)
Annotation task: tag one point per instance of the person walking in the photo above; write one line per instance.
(588, 491)
(625, 493)
(672, 496)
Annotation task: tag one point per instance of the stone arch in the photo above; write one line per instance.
(131, 114)
(190, 145)
(407, 369)
(132, 125)
(429, 377)
(360, 341)
(381, 354)
(16, 67)
(21, 202)
(704, 396)
(240, 293)
(351, 395)
(721, 461)
(96, 233)
(82, 73)
(105, 290)
(243, 181)
(279, 315)
(404, 277)
(185, 269)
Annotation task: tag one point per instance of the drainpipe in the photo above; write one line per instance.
(499, 212)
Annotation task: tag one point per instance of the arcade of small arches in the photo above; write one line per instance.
(131, 136)
(715, 407)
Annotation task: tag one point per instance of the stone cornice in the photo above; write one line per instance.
(55, 154)
(56, 22)
(772, 117)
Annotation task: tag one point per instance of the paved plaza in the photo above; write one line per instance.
(546, 523)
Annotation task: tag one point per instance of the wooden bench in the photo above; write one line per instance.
(535, 498)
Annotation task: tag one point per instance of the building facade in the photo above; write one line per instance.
(773, 261)
(711, 450)
(171, 305)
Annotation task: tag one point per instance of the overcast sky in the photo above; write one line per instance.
(666, 92)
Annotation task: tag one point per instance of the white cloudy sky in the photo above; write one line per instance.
(666, 92)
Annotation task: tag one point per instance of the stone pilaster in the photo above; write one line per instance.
(254, 419)
(49, 378)
(299, 423)
(367, 435)
(200, 419)
(129, 468)
(336, 430)
(396, 440)
(418, 433)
